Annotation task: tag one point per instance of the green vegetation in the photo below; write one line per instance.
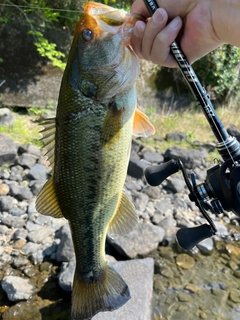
(219, 71)
(193, 123)
(24, 130)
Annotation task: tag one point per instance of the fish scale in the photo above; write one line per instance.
(89, 152)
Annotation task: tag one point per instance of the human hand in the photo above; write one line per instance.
(190, 23)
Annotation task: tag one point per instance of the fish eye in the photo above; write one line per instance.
(87, 34)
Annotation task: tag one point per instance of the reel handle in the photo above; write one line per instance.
(189, 237)
(155, 175)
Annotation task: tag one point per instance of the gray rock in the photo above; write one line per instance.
(36, 187)
(65, 277)
(50, 250)
(26, 160)
(167, 223)
(136, 166)
(138, 275)
(149, 211)
(16, 173)
(235, 132)
(206, 246)
(17, 288)
(14, 189)
(4, 173)
(65, 251)
(169, 226)
(6, 117)
(5, 259)
(29, 148)
(8, 150)
(32, 226)
(40, 235)
(38, 172)
(131, 247)
(140, 200)
(162, 207)
(15, 211)
(222, 230)
(4, 229)
(12, 221)
(20, 234)
(175, 184)
(134, 185)
(56, 224)
(30, 247)
(31, 208)
(37, 257)
(24, 194)
(153, 192)
(181, 203)
(191, 158)
(43, 220)
(7, 203)
(176, 136)
(19, 262)
(153, 157)
(200, 174)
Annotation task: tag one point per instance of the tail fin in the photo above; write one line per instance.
(107, 293)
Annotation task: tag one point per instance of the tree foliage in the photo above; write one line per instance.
(218, 71)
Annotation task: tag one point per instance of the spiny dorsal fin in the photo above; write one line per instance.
(124, 220)
(48, 138)
(142, 126)
(47, 202)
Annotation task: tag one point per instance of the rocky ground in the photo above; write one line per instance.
(37, 258)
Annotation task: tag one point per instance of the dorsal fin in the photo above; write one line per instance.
(124, 220)
(47, 202)
(48, 138)
(142, 126)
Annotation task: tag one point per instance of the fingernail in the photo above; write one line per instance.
(175, 23)
(159, 15)
(138, 29)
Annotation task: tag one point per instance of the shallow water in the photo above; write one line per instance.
(187, 285)
(206, 288)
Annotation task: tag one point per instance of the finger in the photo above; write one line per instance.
(139, 7)
(153, 27)
(160, 53)
(136, 40)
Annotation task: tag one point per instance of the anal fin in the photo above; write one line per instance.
(47, 203)
(124, 220)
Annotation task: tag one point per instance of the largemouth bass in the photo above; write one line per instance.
(88, 146)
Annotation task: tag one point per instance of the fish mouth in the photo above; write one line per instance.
(112, 21)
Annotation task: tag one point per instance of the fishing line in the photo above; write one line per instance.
(35, 7)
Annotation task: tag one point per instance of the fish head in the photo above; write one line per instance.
(102, 53)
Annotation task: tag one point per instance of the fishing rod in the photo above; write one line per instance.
(221, 190)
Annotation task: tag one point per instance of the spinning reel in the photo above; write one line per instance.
(221, 190)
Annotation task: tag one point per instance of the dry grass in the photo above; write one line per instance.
(193, 123)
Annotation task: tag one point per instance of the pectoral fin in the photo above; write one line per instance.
(142, 126)
(124, 220)
(47, 202)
